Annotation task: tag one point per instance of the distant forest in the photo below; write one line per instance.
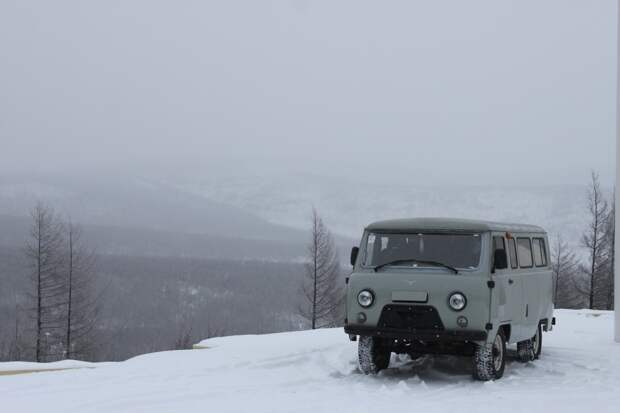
(156, 303)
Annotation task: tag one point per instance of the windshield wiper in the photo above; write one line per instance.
(416, 261)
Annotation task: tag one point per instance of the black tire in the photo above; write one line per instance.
(490, 359)
(537, 342)
(529, 350)
(372, 356)
(416, 356)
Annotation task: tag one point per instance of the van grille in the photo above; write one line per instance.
(410, 318)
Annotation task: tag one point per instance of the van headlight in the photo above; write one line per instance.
(365, 298)
(457, 301)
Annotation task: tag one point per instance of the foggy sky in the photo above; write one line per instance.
(417, 91)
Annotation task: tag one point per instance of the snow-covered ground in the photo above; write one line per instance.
(317, 372)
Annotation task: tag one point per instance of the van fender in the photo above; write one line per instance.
(493, 330)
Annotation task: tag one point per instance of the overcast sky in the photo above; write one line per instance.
(428, 91)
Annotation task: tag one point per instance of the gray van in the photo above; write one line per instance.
(449, 286)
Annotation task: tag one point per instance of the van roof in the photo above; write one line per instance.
(450, 224)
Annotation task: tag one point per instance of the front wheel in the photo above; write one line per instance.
(490, 359)
(372, 355)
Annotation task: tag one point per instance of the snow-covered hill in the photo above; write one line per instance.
(277, 206)
(135, 203)
(349, 205)
(317, 372)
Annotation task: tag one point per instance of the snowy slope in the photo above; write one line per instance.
(349, 205)
(316, 372)
(123, 202)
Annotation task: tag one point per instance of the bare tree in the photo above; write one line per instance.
(184, 340)
(81, 300)
(44, 255)
(565, 267)
(607, 283)
(321, 286)
(184, 318)
(5, 353)
(594, 238)
(16, 348)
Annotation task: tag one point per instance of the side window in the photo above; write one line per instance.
(499, 254)
(540, 253)
(512, 247)
(524, 249)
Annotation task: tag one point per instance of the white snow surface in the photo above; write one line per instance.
(317, 372)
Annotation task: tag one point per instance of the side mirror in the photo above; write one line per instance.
(500, 260)
(354, 252)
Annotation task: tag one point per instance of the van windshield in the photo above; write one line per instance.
(457, 250)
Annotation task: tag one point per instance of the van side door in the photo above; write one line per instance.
(538, 287)
(508, 286)
(531, 286)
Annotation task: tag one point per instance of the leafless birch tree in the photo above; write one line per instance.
(565, 267)
(44, 252)
(321, 287)
(594, 238)
(81, 299)
(607, 283)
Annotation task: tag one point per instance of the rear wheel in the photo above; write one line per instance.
(372, 355)
(537, 342)
(490, 359)
(530, 350)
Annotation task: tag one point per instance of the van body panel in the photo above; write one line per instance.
(538, 297)
(509, 301)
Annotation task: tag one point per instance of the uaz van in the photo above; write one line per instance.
(449, 286)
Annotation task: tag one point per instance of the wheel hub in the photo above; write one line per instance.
(498, 353)
(536, 342)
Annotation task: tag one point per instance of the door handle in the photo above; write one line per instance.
(510, 281)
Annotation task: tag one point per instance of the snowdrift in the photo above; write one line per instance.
(22, 367)
(317, 372)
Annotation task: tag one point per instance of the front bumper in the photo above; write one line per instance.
(422, 335)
